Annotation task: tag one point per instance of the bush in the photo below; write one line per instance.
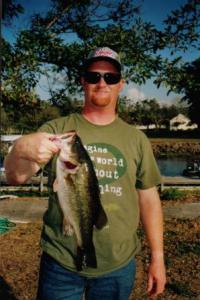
(172, 194)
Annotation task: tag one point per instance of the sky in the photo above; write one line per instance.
(154, 11)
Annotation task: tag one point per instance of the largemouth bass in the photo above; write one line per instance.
(78, 193)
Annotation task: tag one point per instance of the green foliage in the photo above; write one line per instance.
(10, 9)
(172, 194)
(19, 74)
(36, 114)
(64, 103)
(185, 80)
(3, 120)
(35, 117)
(95, 23)
(183, 30)
(182, 26)
(47, 113)
(148, 111)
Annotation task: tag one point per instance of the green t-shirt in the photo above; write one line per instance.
(124, 162)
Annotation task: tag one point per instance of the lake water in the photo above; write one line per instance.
(168, 166)
(171, 166)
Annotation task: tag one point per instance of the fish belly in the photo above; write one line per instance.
(87, 253)
(79, 212)
(68, 205)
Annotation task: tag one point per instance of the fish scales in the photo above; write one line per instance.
(79, 197)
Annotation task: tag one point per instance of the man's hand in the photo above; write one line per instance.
(156, 278)
(27, 155)
(37, 147)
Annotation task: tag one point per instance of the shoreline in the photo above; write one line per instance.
(175, 148)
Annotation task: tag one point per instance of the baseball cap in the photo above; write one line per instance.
(103, 53)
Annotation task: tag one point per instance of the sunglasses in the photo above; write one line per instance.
(95, 77)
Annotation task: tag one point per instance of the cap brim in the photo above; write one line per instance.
(88, 62)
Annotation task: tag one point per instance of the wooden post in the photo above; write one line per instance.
(41, 188)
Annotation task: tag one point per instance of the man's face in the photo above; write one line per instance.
(101, 94)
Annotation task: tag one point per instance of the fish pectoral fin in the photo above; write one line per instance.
(55, 185)
(67, 228)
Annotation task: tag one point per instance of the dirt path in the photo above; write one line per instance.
(20, 251)
(29, 209)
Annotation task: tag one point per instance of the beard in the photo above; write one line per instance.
(101, 98)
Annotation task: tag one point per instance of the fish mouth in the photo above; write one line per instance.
(69, 165)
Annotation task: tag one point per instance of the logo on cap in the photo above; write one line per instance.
(105, 52)
(101, 53)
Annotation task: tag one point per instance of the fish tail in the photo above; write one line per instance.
(86, 258)
(90, 257)
(79, 259)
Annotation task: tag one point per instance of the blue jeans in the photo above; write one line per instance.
(58, 283)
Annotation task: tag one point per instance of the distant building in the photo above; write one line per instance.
(144, 127)
(181, 122)
(150, 126)
(9, 137)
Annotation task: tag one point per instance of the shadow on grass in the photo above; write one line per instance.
(6, 292)
(181, 289)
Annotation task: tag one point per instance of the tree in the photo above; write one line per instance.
(189, 85)
(167, 112)
(4, 121)
(150, 111)
(10, 9)
(18, 81)
(35, 117)
(137, 114)
(64, 103)
(125, 108)
(116, 24)
(183, 29)
(93, 23)
(186, 81)
(146, 112)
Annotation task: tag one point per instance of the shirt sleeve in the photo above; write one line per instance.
(148, 174)
(47, 127)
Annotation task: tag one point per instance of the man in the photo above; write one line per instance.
(127, 174)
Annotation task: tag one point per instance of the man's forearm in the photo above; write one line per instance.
(152, 220)
(19, 170)
(27, 154)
